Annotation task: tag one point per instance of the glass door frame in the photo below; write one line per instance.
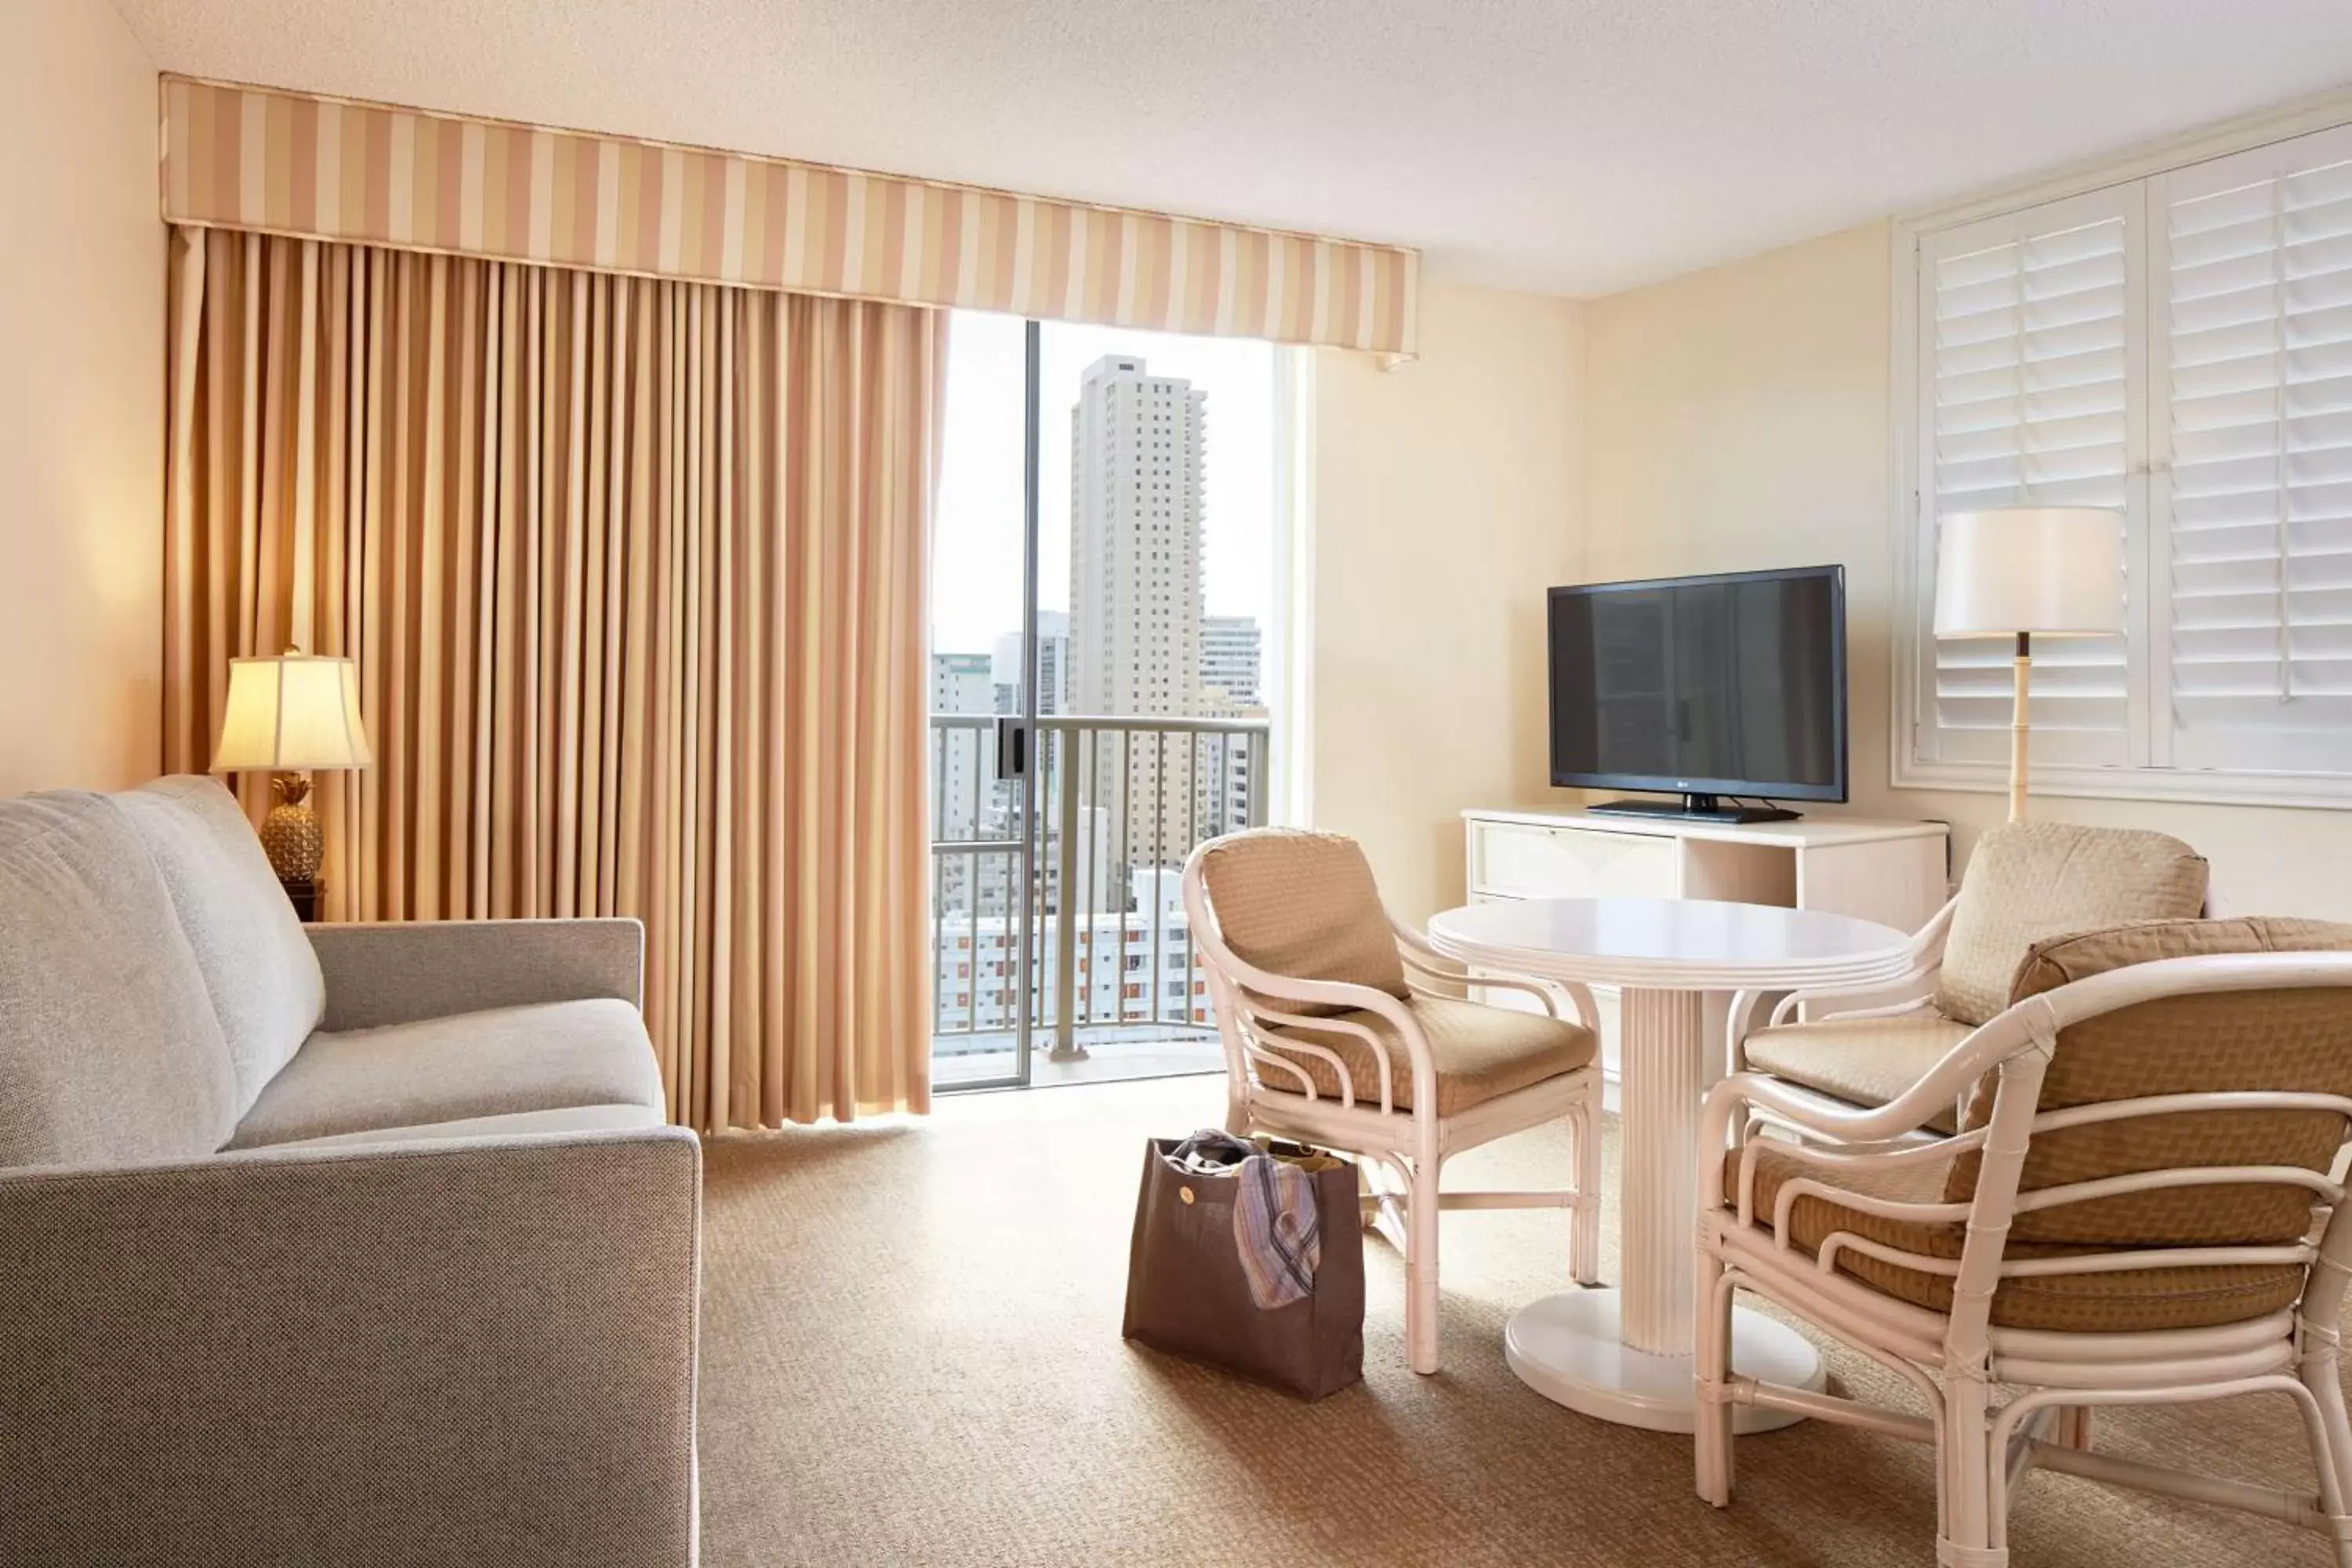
(1016, 759)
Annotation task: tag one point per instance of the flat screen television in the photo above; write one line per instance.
(1703, 687)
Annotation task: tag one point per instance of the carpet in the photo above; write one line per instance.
(911, 1355)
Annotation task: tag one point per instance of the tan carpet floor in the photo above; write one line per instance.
(911, 1355)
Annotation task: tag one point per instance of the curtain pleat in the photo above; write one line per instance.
(634, 571)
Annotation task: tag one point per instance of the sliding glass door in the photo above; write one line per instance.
(1102, 609)
(984, 611)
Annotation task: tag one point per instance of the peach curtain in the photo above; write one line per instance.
(635, 574)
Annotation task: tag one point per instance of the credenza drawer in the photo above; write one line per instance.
(1528, 861)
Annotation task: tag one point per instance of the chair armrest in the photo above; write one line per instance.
(1911, 992)
(403, 1353)
(1258, 994)
(1818, 1116)
(1916, 987)
(1414, 949)
(401, 972)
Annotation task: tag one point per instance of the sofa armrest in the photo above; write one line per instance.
(481, 1351)
(401, 972)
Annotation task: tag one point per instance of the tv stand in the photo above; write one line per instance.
(1697, 808)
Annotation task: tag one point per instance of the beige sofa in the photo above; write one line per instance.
(353, 1244)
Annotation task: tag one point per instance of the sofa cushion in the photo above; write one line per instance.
(549, 1056)
(1302, 905)
(564, 1122)
(1866, 1061)
(2028, 881)
(108, 1049)
(258, 967)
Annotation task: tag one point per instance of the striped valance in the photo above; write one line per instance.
(287, 163)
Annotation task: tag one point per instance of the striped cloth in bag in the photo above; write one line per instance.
(1275, 1230)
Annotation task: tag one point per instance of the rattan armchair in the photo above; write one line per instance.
(2138, 1206)
(2026, 881)
(1344, 1027)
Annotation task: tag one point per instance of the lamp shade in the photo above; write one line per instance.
(2052, 570)
(292, 713)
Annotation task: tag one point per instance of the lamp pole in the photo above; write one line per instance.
(2019, 724)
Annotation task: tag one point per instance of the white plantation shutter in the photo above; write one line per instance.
(2252, 385)
(2031, 372)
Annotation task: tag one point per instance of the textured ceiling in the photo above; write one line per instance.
(1573, 146)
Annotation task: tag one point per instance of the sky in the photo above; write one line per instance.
(976, 548)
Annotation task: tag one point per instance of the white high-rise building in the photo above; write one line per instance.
(1230, 658)
(1137, 448)
(1053, 672)
(959, 683)
(963, 763)
(964, 773)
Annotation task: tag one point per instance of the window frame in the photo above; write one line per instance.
(1911, 642)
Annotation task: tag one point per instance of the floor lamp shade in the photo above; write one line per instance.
(2045, 570)
(290, 715)
(2028, 572)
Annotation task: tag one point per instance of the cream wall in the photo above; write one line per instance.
(1738, 417)
(81, 398)
(1447, 494)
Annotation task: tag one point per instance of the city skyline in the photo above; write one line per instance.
(976, 566)
(1135, 643)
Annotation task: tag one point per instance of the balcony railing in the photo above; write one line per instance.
(1119, 804)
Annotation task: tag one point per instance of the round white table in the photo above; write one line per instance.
(1624, 1354)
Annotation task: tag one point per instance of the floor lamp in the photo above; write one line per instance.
(2028, 572)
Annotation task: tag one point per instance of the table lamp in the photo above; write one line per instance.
(2028, 572)
(293, 714)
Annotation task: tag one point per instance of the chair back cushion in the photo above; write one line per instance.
(2291, 1041)
(2028, 881)
(108, 1049)
(1302, 905)
(264, 979)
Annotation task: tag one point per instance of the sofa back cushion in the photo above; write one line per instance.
(264, 979)
(1302, 905)
(2293, 1040)
(2028, 881)
(108, 1049)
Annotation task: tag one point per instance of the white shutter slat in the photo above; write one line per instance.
(2320, 274)
(2327, 184)
(2328, 389)
(2253, 372)
(2201, 226)
(2249, 343)
(2327, 496)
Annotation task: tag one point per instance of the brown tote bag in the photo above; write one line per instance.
(1186, 1292)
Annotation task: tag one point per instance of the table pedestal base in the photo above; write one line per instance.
(1567, 1348)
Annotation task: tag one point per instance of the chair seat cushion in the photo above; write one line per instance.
(1480, 1052)
(549, 1056)
(1864, 1061)
(2127, 1301)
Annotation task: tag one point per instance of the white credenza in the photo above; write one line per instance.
(1896, 873)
